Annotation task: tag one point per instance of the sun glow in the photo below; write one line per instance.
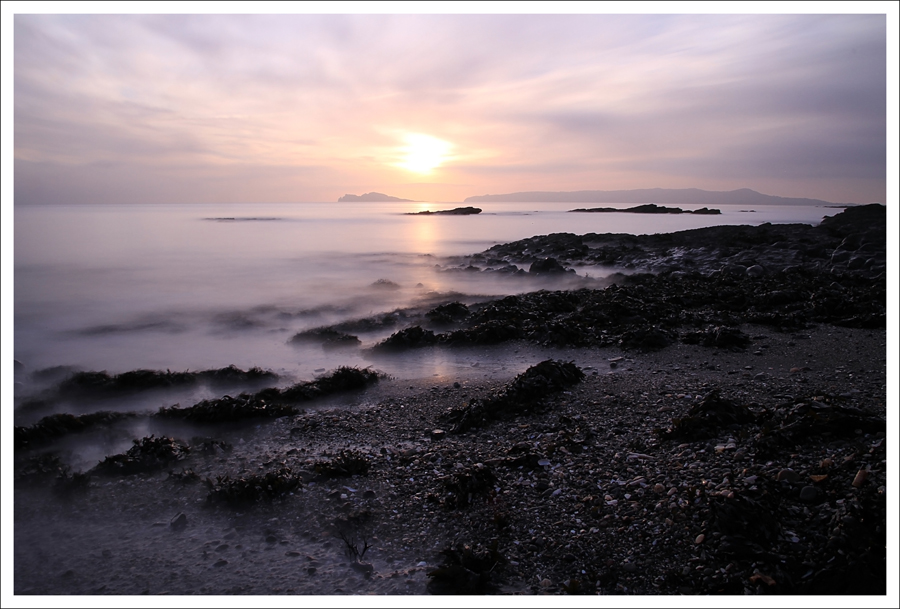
(423, 153)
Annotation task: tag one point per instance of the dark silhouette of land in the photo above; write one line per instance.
(373, 197)
(671, 196)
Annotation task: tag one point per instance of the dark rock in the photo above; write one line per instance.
(458, 211)
(546, 266)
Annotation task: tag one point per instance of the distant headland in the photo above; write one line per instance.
(373, 197)
(670, 196)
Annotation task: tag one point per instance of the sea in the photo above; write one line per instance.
(201, 286)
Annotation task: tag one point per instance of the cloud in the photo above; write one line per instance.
(545, 99)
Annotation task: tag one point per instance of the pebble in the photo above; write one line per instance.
(808, 493)
(787, 475)
(700, 539)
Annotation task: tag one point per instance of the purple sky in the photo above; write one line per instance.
(279, 108)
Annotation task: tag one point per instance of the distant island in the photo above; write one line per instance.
(458, 211)
(373, 197)
(650, 208)
(670, 196)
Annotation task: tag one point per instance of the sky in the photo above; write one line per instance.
(176, 108)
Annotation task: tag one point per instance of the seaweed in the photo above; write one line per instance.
(248, 490)
(519, 396)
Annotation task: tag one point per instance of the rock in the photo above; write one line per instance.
(438, 434)
(860, 478)
(756, 271)
(787, 475)
(808, 494)
(547, 266)
(179, 521)
(700, 539)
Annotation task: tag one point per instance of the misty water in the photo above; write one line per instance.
(191, 287)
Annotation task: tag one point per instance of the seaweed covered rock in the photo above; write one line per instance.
(99, 383)
(147, 455)
(706, 418)
(328, 338)
(272, 402)
(227, 408)
(56, 426)
(524, 392)
(408, 338)
(448, 313)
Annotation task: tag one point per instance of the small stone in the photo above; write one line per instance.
(700, 539)
(860, 478)
(179, 521)
(292, 553)
(808, 493)
(438, 434)
(787, 475)
(546, 583)
(220, 563)
(630, 567)
(311, 570)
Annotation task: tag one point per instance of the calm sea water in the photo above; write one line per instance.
(181, 287)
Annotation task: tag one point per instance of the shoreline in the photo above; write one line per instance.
(729, 464)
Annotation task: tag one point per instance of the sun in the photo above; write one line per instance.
(423, 153)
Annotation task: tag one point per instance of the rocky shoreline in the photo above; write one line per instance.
(700, 428)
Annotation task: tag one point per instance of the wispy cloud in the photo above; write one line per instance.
(787, 104)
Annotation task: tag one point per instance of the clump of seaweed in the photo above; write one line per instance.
(271, 402)
(523, 393)
(466, 570)
(721, 337)
(209, 446)
(98, 383)
(55, 426)
(346, 463)
(704, 419)
(147, 455)
(251, 489)
(408, 338)
(227, 408)
(328, 338)
(462, 487)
